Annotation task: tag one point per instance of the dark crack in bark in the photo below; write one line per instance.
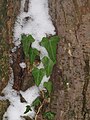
(85, 86)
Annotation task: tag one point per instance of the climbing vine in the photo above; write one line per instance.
(38, 73)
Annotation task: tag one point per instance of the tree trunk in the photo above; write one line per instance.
(71, 75)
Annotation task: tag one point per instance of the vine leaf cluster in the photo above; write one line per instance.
(50, 44)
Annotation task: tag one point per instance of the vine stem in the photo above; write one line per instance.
(39, 110)
(40, 107)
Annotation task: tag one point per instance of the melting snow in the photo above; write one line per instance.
(22, 65)
(39, 25)
(16, 109)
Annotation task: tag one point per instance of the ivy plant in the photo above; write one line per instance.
(36, 102)
(38, 75)
(26, 42)
(49, 87)
(32, 54)
(49, 115)
(48, 65)
(48, 62)
(50, 46)
(28, 108)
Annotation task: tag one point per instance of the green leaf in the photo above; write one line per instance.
(32, 54)
(48, 65)
(36, 102)
(26, 42)
(50, 46)
(28, 108)
(49, 115)
(38, 75)
(48, 85)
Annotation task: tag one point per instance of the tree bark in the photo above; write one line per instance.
(71, 75)
(8, 12)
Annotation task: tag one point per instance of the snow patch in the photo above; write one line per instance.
(22, 65)
(45, 79)
(38, 24)
(31, 94)
(14, 49)
(16, 109)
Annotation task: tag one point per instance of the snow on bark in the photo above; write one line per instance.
(34, 20)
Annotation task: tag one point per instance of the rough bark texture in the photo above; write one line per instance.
(3, 107)
(4, 57)
(22, 77)
(8, 12)
(71, 96)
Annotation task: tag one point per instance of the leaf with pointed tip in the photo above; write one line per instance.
(50, 46)
(36, 102)
(49, 115)
(28, 108)
(48, 65)
(38, 75)
(26, 42)
(48, 85)
(32, 54)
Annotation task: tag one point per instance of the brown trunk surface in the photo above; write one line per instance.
(71, 75)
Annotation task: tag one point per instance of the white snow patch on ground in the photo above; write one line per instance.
(39, 25)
